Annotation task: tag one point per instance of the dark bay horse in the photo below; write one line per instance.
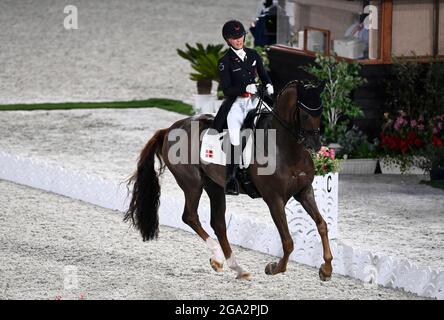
(295, 127)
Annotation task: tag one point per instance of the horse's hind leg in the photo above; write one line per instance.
(190, 216)
(217, 199)
(307, 200)
(192, 189)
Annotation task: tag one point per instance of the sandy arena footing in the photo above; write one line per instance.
(114, 131)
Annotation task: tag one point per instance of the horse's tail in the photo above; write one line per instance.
(144, 205)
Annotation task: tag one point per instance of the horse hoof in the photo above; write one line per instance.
(244, 276)
(324, 276)
(270, 269)
(217, 266)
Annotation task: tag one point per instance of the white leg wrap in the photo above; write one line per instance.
(231, 261)
(216, 250)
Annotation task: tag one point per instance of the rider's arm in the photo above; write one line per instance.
(263, 75)
(226, 83)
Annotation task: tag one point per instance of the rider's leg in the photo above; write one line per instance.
(231, 184)
(235, 119)
(234, 122)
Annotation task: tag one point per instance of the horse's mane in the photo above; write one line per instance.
(292, 83)
(312, 111)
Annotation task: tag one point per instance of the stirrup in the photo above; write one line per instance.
(232, 187)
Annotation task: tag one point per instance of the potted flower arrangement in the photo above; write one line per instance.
(325, 161)
(326, 184)
(412, 135)
(402, 141)
(431, 156)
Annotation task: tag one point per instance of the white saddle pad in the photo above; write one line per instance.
(211, 149)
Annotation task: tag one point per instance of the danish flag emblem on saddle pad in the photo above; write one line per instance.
(211, 150)
(208, 153)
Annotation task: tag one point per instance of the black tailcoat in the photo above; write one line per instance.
(235, 76)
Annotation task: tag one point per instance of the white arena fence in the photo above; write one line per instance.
(242, 230)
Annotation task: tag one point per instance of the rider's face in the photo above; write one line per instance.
(237, 43)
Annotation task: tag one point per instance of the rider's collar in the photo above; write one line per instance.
(240, 53)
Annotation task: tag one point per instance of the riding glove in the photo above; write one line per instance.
(270, 89)
(251, 88)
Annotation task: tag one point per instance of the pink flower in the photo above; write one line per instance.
(413, 123)
(421, 127)
(324, 151)
(332, 154)
(399, 123)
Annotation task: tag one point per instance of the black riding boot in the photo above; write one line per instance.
(231, 184)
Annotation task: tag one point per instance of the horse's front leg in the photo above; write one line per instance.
(307, 200)
(277, 210)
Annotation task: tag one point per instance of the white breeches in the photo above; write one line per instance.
(237, 115)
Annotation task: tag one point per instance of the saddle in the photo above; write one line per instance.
(212, 150)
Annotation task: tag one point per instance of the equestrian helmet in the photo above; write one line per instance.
(233, 29)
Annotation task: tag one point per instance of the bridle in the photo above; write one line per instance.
(302, 132)
(296, 131)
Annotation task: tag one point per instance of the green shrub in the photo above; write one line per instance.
(204, 61)
(355, 145)
(338, 79)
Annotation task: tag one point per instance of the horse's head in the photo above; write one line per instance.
(308, 127)
(303, 121)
